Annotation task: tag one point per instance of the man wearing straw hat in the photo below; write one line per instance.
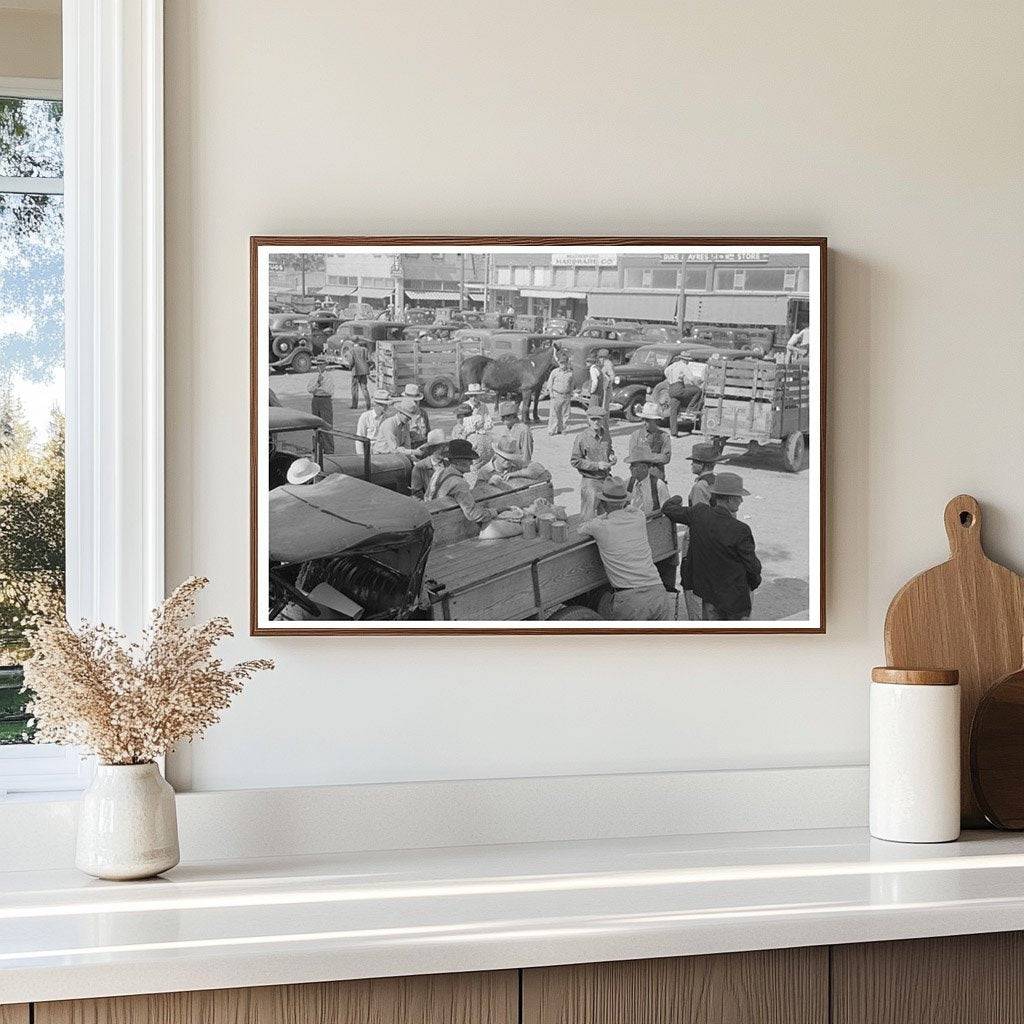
(722, 556)
(560, 391)
(592, 457)
(393, 433)
(419, 425)
(479, 419)
(369, 423)
(638, 593)
(651, 438)
(512, 437)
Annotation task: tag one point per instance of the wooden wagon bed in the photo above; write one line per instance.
(514, 579)
(450, 525)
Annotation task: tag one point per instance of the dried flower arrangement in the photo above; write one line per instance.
(129, 703)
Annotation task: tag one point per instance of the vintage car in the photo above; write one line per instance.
(756, 339)
(345, 549)
(291, 343)
(441, 332)
(613, 331)
(357, 311)
(498, 321)
(642, 378)
(531, 322)
(562, 326)
(418, 315)
(580, 350)
(339, 345)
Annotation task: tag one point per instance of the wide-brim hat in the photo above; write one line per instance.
(435, 439)
(728, 485)
(407, 407)
(507, 409)
(705, 453)
(602, 353)
(413, 391)
(597, 412)
(651, 411)
(301, 471)
(459, 449)
(382, 395)
(463, 410)
(613, 489)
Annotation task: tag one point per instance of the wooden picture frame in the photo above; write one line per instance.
(741, 254)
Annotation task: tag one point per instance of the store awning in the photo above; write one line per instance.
(503, 288)
(375, 293)
(433, 296)
(632, 305)
(339, 290)
(537, 293)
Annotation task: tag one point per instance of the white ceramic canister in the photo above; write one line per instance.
(915, 755)
(127, 825)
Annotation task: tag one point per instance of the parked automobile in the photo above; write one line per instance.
(498, 321)
(562, 326)
(757, 339)
(339, 345)
(291, 343)
(418, 315)
(357, 311)
(580, 349)
(531, 322)
(437, 331)
(614, 331)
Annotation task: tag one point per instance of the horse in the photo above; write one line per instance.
(512, 378)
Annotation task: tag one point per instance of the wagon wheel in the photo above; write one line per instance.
(793, 450)
(302, 363)
(441, 392)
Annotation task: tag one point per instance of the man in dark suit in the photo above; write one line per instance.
(724, 565)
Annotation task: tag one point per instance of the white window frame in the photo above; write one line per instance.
(114, 333)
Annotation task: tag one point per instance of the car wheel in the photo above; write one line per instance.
(793, 451)
(302, 363)
(659, 396)
(440, 393)
(633, 407)
(281, 347)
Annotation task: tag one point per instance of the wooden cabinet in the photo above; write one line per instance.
(970, 979)
(777, 986)
(962, 979)
(490, 998)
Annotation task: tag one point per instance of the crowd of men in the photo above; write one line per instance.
(719, 567)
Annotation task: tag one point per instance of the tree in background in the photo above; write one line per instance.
(31, 545)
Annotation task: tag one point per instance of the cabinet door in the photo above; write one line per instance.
(14, 1013)
(961, 979)
(482, 998)
(778, 986)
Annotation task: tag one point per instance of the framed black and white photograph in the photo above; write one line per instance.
(543, 435)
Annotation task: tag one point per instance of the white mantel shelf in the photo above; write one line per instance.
(264, 922)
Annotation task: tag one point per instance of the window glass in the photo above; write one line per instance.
(31, 388)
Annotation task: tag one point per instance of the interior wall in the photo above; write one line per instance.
(894, 129)
(30, 42)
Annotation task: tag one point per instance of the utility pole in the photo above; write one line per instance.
(302, 268)
(462, 282)
(681, 309)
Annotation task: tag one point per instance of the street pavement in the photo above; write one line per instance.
(777, 509)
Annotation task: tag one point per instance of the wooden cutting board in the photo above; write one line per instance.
(967, 614)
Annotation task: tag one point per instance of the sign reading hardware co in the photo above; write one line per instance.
(569, 259)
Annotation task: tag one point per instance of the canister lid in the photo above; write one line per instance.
(916, 676)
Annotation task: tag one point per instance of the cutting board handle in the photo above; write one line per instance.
(963, 526)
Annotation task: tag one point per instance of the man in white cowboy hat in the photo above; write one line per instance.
(513, 438)
(303, 471)
(370, 421)
(683, 389)
(722, 554)
(448, 481)
(419, 425)
(638, 593)
(651, 438)
(592, 457)
(480, 418)
(560, 391)
(429, 459)
(393, 433)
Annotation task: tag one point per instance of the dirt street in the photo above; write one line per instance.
(777, 509)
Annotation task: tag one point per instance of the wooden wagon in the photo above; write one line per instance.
(516, 579)
(761, 402)
(430, 361)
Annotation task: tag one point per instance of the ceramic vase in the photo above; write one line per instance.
(127, 825)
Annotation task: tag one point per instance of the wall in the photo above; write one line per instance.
(895, 129)
(30, 40)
